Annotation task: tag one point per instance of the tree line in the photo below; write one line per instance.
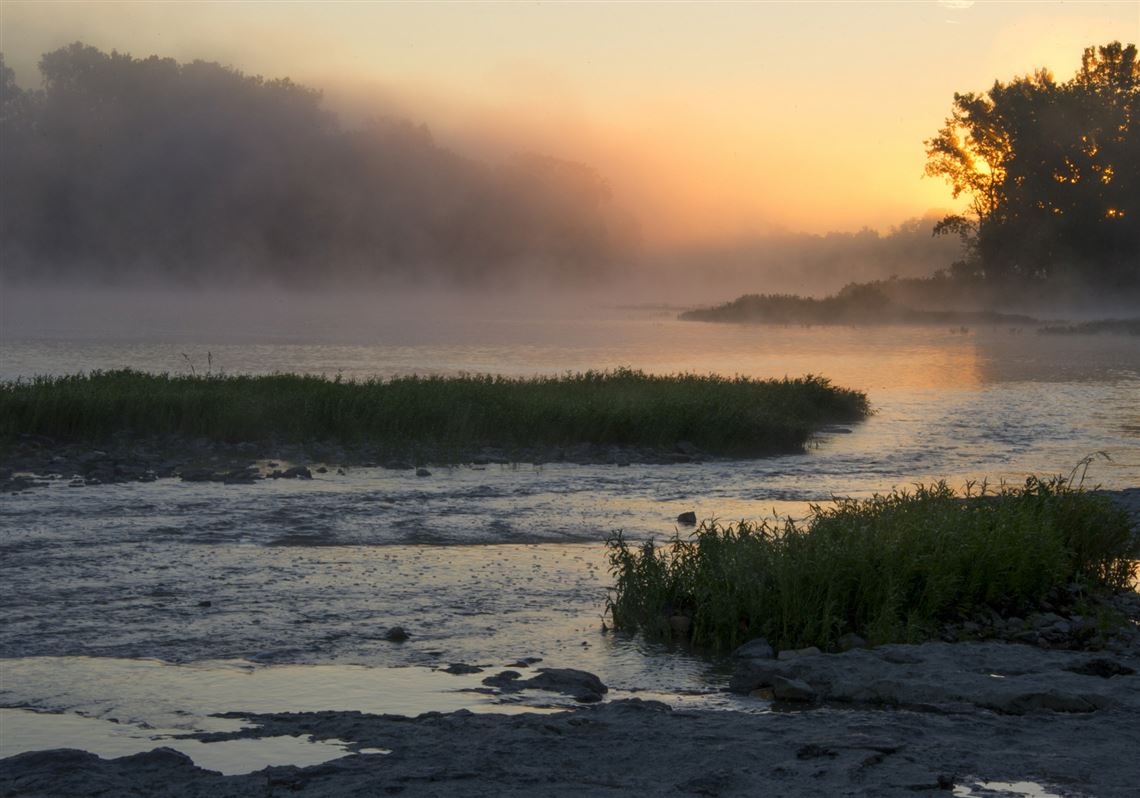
(1051, 172)
(135, 168)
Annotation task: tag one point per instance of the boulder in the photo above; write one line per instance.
(796, 690)
(396, 634)
(755, 649)
(689, 517)
(794, 653)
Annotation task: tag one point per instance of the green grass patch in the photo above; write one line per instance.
(720, 416)
(892, 568)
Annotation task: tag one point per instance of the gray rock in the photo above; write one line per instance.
(458, 668)
(582, 685)
(422, 472)
(755, 649)
(396, 634)
(1104, 668)
(502, 679)
(795, 653)
(785, 689)
(689, 517)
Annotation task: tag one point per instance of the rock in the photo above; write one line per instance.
(785, 689)
(688, 517)
(341, 472)
(583, 685)
(205, 603)
(813, 751)
(755, 649)
(459, 668)
(1104, 668)
(850, 641)
(1053, 700)
(322, 470)
(793, 653)
(422, 472)
(296, 472)
(396, 634)
(502, 679)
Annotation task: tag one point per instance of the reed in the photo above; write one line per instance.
(892, 568)
(718, 415)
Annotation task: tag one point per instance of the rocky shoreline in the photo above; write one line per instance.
(34, 460)
(894, 720)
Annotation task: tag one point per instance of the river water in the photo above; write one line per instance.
(108, 643)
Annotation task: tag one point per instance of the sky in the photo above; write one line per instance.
(711, 120)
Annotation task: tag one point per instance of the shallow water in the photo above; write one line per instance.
(481, 565)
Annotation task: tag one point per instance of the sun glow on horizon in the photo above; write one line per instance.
(708, 121)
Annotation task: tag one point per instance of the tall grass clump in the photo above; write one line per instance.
(623, 407)
(892, 568)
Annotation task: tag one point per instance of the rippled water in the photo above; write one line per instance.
(485, 565)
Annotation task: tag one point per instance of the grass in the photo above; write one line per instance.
(892, 568)
(720, 416)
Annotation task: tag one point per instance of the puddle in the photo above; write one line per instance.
(25, 730)
(1004, 789)
(155, 694)
(117, 707)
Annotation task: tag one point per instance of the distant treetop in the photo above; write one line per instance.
(1051, 172)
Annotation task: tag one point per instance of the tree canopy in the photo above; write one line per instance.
(1051, 173)
(133, 168)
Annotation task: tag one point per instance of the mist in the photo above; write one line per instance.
(144, 172)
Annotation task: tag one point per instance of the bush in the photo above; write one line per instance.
(891, 568)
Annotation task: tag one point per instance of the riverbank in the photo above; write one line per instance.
(896, 720)
(857, 304)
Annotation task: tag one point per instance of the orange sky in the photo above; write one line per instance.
(709, 119)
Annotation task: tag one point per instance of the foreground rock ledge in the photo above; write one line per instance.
(947, 735)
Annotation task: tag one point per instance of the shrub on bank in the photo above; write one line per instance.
(891, 568)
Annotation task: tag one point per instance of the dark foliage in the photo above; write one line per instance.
(1052, 174)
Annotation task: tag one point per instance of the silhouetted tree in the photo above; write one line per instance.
(1051, 172)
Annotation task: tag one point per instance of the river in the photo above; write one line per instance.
(105, 588)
